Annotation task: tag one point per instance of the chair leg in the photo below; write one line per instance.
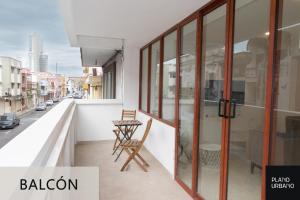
(141, 158)
(138, 162)
(127, 162)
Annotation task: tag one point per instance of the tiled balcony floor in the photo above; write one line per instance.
(133, 184)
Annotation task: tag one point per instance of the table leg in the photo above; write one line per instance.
(117, 147)
(127, 136)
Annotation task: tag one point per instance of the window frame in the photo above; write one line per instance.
(230, 16)
(160, 87)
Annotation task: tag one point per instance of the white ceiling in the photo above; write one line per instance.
(107, 24)
(95, 57)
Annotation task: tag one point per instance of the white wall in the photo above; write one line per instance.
(94, 119)
(160, 142)
(119, 78)
(131, 77)
(94, 123)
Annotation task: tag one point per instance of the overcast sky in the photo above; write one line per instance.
(19, 18)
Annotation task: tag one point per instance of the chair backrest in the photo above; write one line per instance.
(146, 132)
(128, 114)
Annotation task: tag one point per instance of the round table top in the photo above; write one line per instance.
(210, 147)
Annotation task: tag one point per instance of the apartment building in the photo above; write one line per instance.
(10, 86)
(92, 86)
(29, 93)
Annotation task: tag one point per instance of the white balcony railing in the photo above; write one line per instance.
(53, 138)
(75, 121)
(55, 134)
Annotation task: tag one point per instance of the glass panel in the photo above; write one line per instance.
(155, 61)
(212, 80)
(286, 131)
(186, 102)
(250, 60)
(169, 77)
(144, 79)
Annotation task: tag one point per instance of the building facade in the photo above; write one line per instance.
(10, 87)
(35, 49)
(38, 61)
(43, 61)
(29, 94)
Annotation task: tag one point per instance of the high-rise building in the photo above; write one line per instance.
(38, 61)
(35, 50)
(43, 63)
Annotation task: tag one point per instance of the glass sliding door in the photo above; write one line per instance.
(186, 102)
(155, 62)
(169, 77)
(212, 81)
(285, 138)
(144, 81)
(248, 85)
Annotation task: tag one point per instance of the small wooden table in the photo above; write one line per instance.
(127, 128)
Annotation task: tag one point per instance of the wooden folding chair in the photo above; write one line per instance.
(132, 147)
(126, 115)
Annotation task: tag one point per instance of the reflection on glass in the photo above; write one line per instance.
(155, 60)
(286, 131)
(213, 51)
(186, 101)
(169, 77)
(248, 91)
(144, 79)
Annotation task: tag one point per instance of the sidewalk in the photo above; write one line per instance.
(24, 112)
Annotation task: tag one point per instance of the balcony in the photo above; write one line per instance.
(79, 133)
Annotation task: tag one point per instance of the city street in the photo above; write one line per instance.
(25, 121)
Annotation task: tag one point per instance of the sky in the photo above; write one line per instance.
(20, 18)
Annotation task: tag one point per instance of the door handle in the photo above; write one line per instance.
(232, 105)
(220, 113)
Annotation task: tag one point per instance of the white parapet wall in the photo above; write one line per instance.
(47, 142)
(95, 118)
(50, 141)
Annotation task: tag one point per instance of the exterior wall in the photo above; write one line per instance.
(43, 61)
(119, 78)
(35, 49)
(160, 142)
(127, 77)
(10, 85)
(95, 119)
(131, 77)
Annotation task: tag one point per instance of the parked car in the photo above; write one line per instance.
(41, 106)
(55, 100)
(49, 102)
(77, 96)
(9, 120)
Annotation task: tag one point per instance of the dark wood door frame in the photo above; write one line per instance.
(229, 41)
